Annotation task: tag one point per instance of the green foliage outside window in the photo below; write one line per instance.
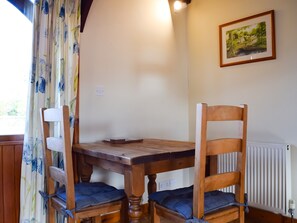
(12, 108)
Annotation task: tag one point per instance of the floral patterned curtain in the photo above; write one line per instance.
(53, 82)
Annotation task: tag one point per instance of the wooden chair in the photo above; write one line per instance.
(204, 201)
(74, 201)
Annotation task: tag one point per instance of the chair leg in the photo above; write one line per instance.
(97, 219)
(151, 211)
(241, 215)
(154, 218)
(51, 214)
(124, 211)
(72, 220)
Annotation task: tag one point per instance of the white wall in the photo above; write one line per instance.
(269, 87)
(137, 52)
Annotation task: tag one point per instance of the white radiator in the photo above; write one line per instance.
(268, 175)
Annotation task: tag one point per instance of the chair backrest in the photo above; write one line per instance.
(206, 147)
(58, 118)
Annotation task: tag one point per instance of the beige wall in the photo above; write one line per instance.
(269, 88)
(138, 53)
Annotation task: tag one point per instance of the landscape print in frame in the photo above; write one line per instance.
(248, 40)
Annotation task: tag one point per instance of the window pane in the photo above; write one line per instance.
(15, 57)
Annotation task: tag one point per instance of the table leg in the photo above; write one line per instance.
(152, 185)
(84, 169)
(134, 188)
(151, 188)
(135, 211)
(75, 168)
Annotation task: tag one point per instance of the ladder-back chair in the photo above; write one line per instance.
(205, 201)
(74, 201)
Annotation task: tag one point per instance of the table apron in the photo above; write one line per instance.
(149, 168)
(105, 164)
(168, 165)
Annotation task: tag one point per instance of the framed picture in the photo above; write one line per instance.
(248, 40)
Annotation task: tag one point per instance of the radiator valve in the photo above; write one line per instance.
(292, 206)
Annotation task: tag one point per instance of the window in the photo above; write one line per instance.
(15, 57)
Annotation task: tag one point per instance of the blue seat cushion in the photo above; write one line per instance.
(91, 194)
(181, 200)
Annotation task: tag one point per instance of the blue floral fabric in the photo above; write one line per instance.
(53, 83)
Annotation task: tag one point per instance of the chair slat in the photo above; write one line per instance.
(57, 174)
(55, 144)
(221, 180)
(221, 146)
(224, 113)
(53, 115)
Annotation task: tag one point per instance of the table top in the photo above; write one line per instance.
(133, 153)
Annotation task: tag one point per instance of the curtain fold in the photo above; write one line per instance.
(53, 83)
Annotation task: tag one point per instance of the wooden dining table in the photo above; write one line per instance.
(134, 159)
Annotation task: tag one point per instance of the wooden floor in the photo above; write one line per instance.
(145, 220)
(253, 216)
(261, 219)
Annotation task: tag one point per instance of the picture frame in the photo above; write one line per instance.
(248, 40)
